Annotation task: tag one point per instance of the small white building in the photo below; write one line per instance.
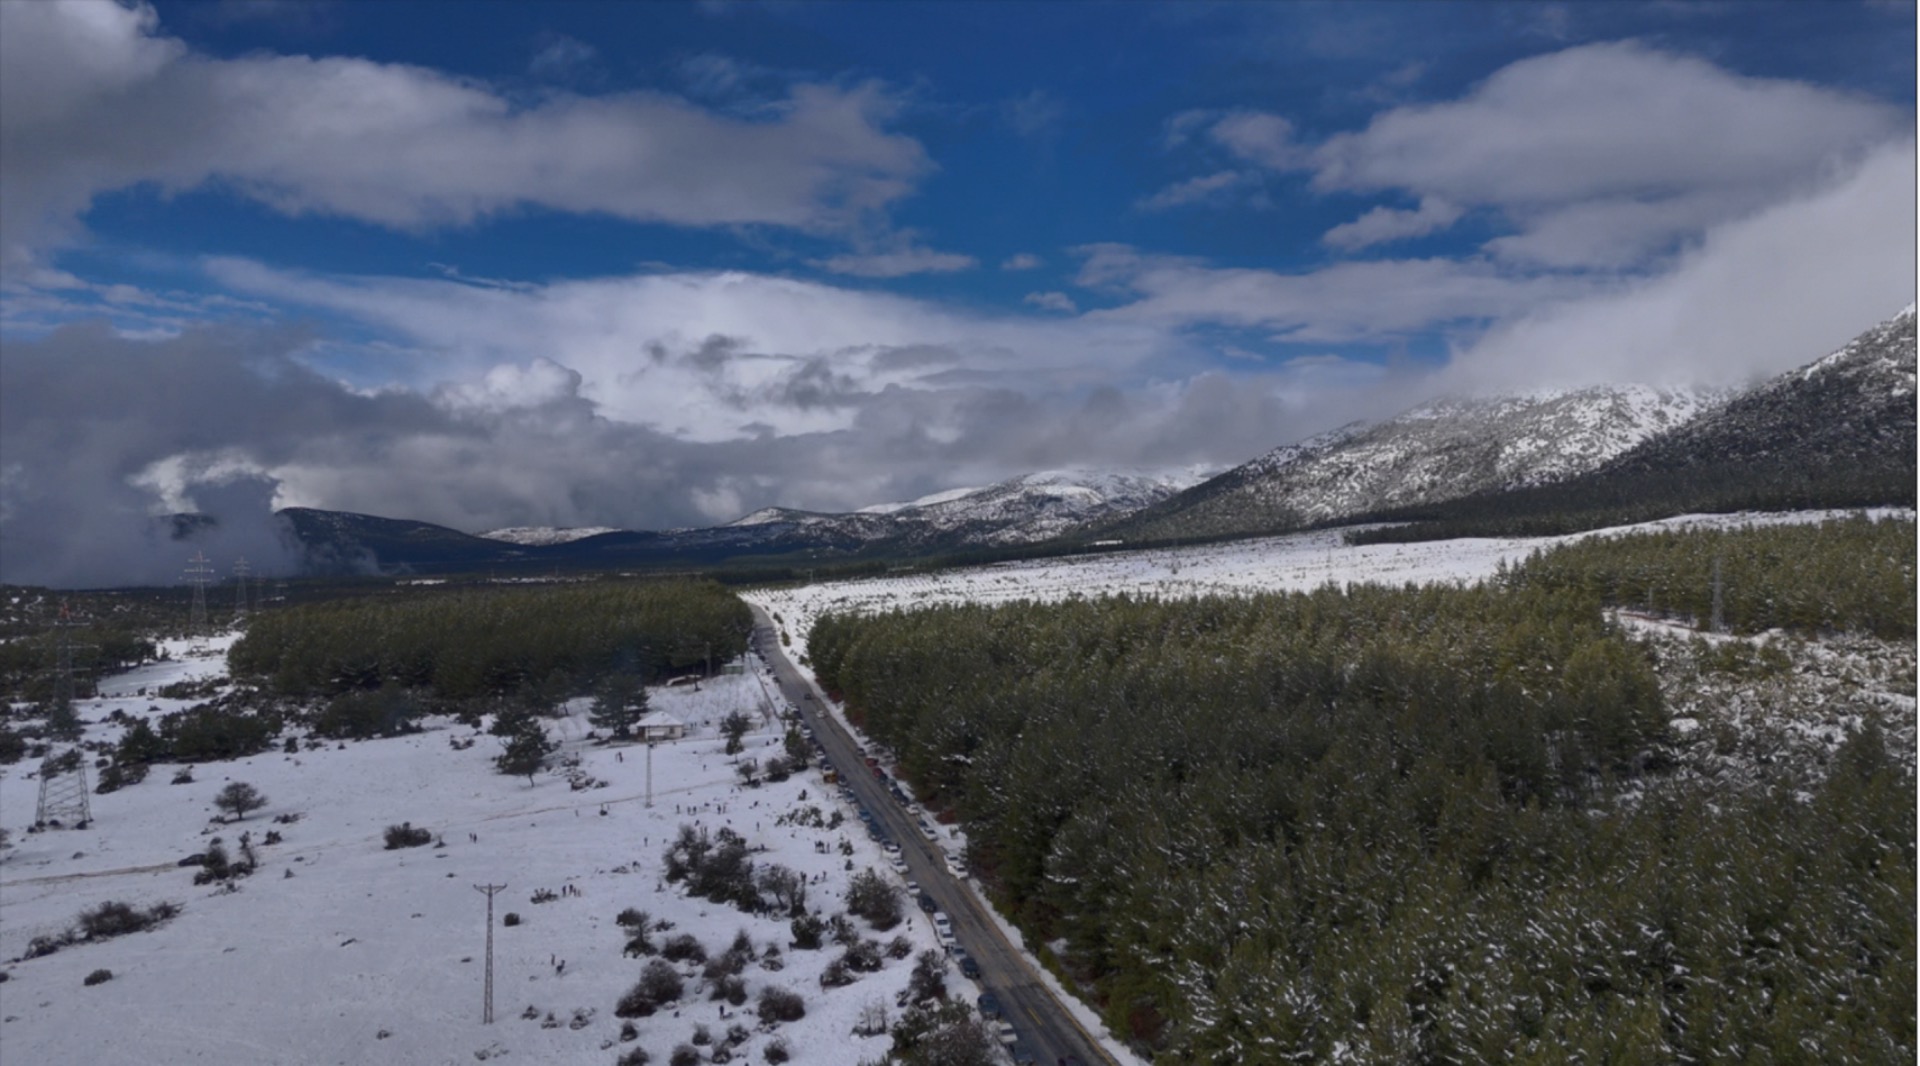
(659, 725)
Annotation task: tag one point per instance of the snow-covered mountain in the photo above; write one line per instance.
(1021, 510)
(545, 534)
(1440, 450)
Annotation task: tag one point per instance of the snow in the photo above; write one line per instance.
(360, 941)
(1296, 562)
(542, 535)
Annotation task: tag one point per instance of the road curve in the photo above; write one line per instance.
(1046, 1029)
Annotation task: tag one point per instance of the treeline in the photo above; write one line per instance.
(1418, 825)
(1854, 574)
(482, 642)
(1627, 496)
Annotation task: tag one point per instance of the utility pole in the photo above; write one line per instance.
(486, 1013)
(649, 771)
(198, 575)
(240, 571)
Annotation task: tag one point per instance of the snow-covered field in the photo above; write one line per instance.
(1298, 561)
(337, 950)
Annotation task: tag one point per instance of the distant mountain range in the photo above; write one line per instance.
(1837, 432)
(1025, 510)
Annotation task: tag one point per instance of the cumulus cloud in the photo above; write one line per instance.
(1604, 154)
(1021, 261)
(93, 98)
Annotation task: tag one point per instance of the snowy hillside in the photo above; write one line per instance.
(1441, 450)
(1021, 510)
(545, 534)
(338, 950)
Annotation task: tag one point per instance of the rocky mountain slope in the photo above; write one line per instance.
(1442, 450)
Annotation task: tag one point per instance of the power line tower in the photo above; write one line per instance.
(199, 575)
(63, 792)
(486, 1012)
(240, 572)
(62, 722)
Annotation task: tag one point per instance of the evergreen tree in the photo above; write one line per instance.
(735, 726)
(526, 752)
(619, 702)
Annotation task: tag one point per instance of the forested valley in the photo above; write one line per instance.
(1424, 824)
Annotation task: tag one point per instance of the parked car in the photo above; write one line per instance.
(927, 904)
(969, 969)
(989, 1006)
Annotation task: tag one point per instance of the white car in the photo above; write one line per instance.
(1004, 1030)
(942, 926)
(899, 864)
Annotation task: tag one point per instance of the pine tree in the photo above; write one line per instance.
(526, 753)
(619, 704)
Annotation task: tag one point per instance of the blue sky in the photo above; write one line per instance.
(492, 263)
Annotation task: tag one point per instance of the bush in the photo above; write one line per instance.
(659, 984)
(116, 919)
(780, 1005)
(635, 1056)
(684, 1055)
(684, 947)
(871, 897)
(778, 1050)
(405, 835)
(98, 977)
(634, 919)
(836, 975)
(702, 1036)
(808, 930)
(863, 957)
(510, 919)
(729, 988)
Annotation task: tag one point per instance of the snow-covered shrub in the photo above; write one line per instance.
(684, 1055)
(634, 1056)
(117, 919)
(684, 947)
(808, 930)
(97, 977)
(778, 1050)
(780, 1005)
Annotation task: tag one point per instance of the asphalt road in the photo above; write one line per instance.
(1046, 1030)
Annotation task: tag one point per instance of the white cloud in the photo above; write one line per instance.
(92, 100)
(1021, 261)
(1261, 138)
(1344, 302)
(1193, 190)
(1607, 154)
(1035, 114)
(1052, 301)
(897, 263)
(1383, 224)
(1757, 296)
